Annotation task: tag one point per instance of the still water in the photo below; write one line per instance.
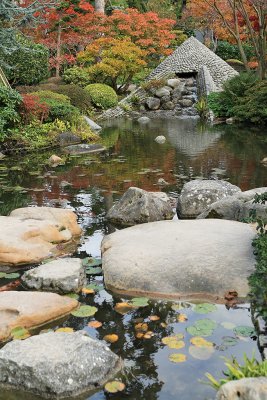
(89, 184)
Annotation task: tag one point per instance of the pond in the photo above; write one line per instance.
(89, 184)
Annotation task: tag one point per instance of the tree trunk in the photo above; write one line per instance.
(58, 54)
(100, 6)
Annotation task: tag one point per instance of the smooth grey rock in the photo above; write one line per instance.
(186, 103)
(197, 195)
(179, 258)
(85, 148)
(153, 103)
(137, 206)
(173, 83)
(65, 275)
(160, 139)
(244, 389)
(237, 207)
(169, 105)
(143, 120)
(94, 126)
(56, 365)
(164, 91)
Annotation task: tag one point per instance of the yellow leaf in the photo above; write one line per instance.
(114, 387)
(123, 308)
(181, 318)
(88, 291)
(112, 338)
(200, 342)
(67, 330)
(154, 318)
(139, 335)
(177, 358)
(143, 327)
(95, 324)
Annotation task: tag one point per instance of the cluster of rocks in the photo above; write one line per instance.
(53, 364)
(178, 95)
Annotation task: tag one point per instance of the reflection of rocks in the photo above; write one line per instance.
(31, 309)
(180, 258)
(84, 148)
(30, 235)
(160, 139)
(237, 207)
(244, 389)
(137, 206)
(56, 365)
(197, 195)
(64, 275)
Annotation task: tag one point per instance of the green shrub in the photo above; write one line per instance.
(228, 51)
(252, 107)
(79, 97)
(102, 96)
(10, 100)
(50, 97)
(28, 64)
(222, 103)
(76, 76)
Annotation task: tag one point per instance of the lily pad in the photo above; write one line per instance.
(20, 333)
(93, 271)
(229, 341)
(139, 302)
(228, 325)
(174, 342)
(245, 331)
(202, 327)
(205, 308)
(91, 262)
(13, 275)
(72, 295)
(114, 387)
(180, 306)
(177, 358)
(201, 353)
(200, 342)
(84, 311)
(2, 275)
(95, 287)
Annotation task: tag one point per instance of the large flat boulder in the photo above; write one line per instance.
(237, 207)
(64, 275)
(57, 365)
(138, 206)
(197, 195)
(179, 258)
(31, 309)
(30, 235)
(244, 389)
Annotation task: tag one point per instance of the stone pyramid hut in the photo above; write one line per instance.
(191, 59)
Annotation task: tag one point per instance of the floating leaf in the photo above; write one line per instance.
(143, 327)
(201, 353)
(114, 387)
(91, 262)
(245, 331)
(174, 342)
(95, 287)
(200, 342)
(228, 325)
(123, 308)
(139, 335)
(2, 275)
(14, 275)
(180, 306)
(67, 330)
(205, 308)
(154, 317)
(72, 295)
(163, 324)
(181, 318)
(85, 290)
(84, 311)
(148, 335)
(139, 301)
(95, 324)
(202, 327)
(20, 333)
(93, 271)
(112, 338)
(206, 323)
(229, 341)
(177, 358)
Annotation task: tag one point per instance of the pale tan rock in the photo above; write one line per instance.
(31, 309)
(30, 235)
(54, 159)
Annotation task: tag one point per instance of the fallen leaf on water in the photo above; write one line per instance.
(114, 387)
(200, 342)
(139, 302)
(67, 330)
(84, 311)
(112, 338)
(123, 308)
(88, 291)
(205, 308)
(154, 318)
(245, 331)
(147, 336)
(72, 296)
(143, 327)
(177, 358)
(174, 342)
(93, 271)
(19, 333)
(139, 335)
(181, 318)
(95, 324)
(163, 324)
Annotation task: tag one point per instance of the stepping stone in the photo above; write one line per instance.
(31, 309)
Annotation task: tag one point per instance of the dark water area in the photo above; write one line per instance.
(89, 184)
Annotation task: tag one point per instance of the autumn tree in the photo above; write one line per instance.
(114, 62)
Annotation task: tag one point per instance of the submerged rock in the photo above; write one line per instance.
(30, 235)
(208, 257)
(244, 389)
(237, 207)
(56, 365)
(143, 120)
(137, 206)
(31, 309)
(197, 195)
(64, 275)
(85, 148)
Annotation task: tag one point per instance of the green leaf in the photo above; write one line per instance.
(139, 301)
(114, 387)
(95, 287)
(84, 311)
(72, 295)
(2, 275)
(229, 341)
(14, 275)
(228, 325)
(20, 333)
(177, 357)
(245, 331)
(202, 327)
(91, 262)
(93, 271)
(205, 308)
